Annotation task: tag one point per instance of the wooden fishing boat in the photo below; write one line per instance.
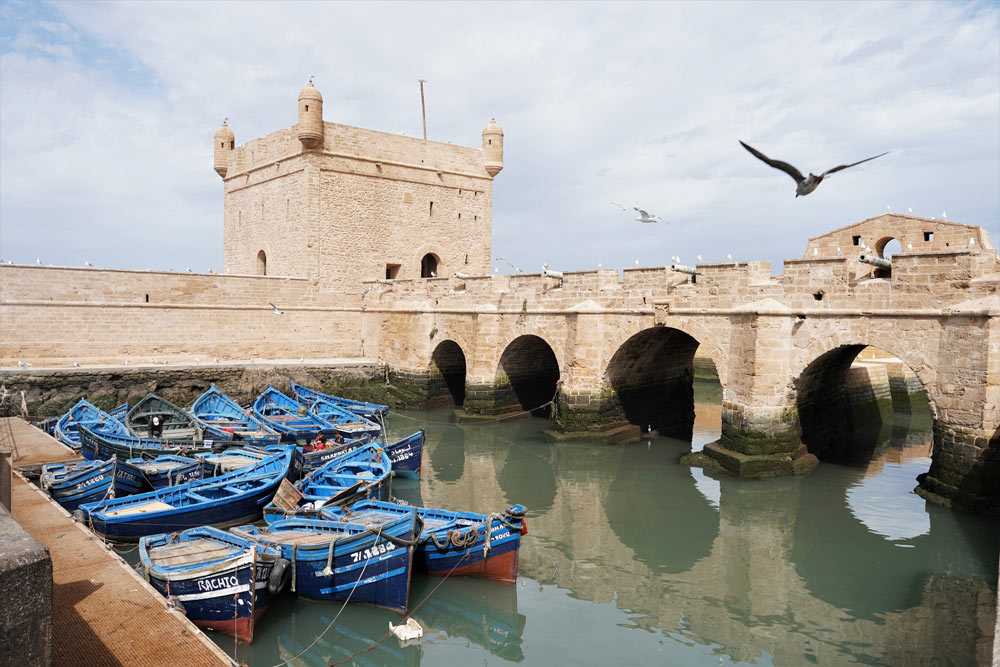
(372, 411)
(227, 500)
(120, 412)
(223, 415)
(103, 441)
(83, 413)
(290, 418)
(334, 560)
(223, 582)
(156, 417)
(455, 543)
(168, 470)
(72, 485)
(405, 455)
(345, 422)
(234, 458)
(361, 473)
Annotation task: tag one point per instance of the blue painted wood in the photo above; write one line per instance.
(172, 421)
(449, 541)
(219, 578)
(103, 441)
(368, 410)
(168, 470)
(72, 485)
(361, 473)
(366, 565)
(293, 420)
(224, 416)
(67, 431)
(232, 498)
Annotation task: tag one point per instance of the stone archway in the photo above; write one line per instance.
(652, 376)
(844, 401)
(447, 374)
(527, 376)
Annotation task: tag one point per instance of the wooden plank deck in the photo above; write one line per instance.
(104, 613)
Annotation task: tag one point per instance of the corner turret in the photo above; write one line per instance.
(225, 143)
(310, 116)
(493, 147)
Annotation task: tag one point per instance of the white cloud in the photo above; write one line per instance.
(108, 111)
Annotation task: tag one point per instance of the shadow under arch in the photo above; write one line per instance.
(652, 374)
(656, 509)
(447, 369)
(529, 368)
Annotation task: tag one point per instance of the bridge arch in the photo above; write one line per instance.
(447, 373)
(835, 423)
(652, 376)
(529, 370)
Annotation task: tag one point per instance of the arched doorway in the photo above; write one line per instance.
(261, 263)
(529, 372)
(447, 383)
(429, 266)
(652, 374)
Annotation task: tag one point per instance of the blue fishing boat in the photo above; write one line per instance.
(290, 418)
(105, 440)
(120, 412)
(72, 485)
(316, 456)
(233, 498)
(362, 473)
(216, 411)
(156, 417)
(168, 470)
(372, 411)
(67, 428)
(235, 458)
(346, 423)
(222, 581)
(405, 455)
(452, 543)
(341, 561)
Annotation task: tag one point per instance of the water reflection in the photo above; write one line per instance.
(631, 558)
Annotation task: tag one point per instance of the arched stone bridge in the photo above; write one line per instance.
(616, 352)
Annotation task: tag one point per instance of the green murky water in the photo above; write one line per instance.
(632, 559)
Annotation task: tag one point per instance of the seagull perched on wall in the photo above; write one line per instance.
(38, 261)
(729, 257)
(86, 263)
(21, 364)
(275, 310)
(944, 215)
(803, 184)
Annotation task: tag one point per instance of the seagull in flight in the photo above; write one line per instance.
(646, 217)
(804, 184)
(614, 203)
(275, 309)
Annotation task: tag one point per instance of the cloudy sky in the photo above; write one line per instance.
(107, 113)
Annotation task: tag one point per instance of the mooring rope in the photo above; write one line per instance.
(339, 612)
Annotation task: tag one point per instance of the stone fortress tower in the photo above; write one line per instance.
(340, 205)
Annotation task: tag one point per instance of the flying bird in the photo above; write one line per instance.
(646, 217)
(275, 309)
(804, 184)
(614, 203)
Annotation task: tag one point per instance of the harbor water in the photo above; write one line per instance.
(634, 559)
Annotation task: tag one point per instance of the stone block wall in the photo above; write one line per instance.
(26, 592)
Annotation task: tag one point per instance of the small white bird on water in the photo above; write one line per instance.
(275, 310)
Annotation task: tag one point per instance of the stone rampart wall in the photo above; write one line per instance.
(61, 316)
